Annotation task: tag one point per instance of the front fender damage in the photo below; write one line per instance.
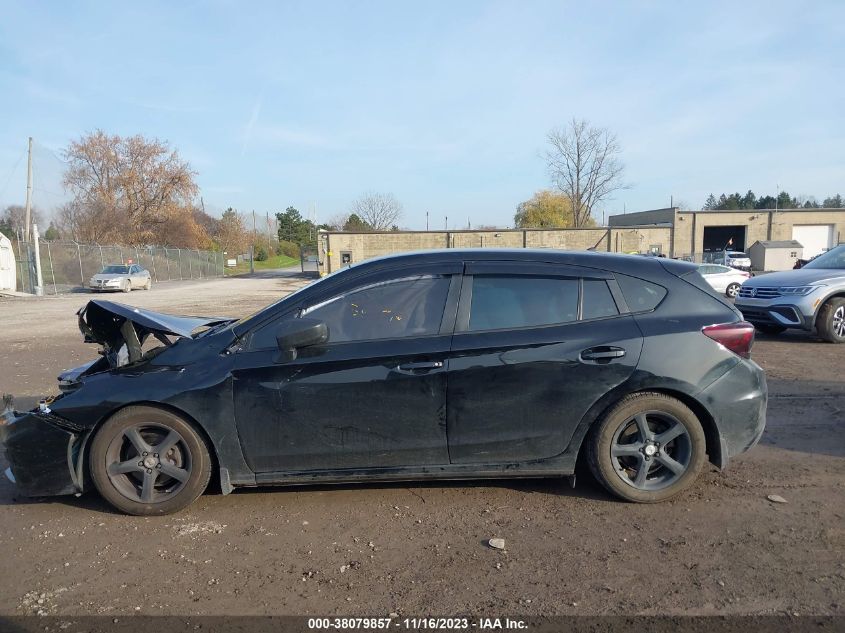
(43, 453)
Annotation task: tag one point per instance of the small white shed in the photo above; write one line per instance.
(773, 255)
(8, 276)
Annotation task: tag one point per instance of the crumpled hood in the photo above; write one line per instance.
(800, 277)
(105, 322)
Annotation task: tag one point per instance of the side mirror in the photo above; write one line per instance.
(298, 333)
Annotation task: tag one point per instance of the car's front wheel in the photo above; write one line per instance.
(732, 290)
(127, 285)
(830, 324)
(148, 461)
(647, 448)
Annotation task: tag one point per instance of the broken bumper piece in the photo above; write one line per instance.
(41, 450)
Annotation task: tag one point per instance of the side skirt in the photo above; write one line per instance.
(551, 468)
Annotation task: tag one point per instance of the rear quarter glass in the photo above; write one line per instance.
(695, 279)
(640, 295)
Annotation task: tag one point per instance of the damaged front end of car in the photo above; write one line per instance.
(44, 448)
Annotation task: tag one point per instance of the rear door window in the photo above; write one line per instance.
(508, 302)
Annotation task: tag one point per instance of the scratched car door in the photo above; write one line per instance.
(373, 396)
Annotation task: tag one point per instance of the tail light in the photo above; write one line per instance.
(737, 337)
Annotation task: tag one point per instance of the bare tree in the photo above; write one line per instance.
(381, 211)
(584, 165)
(13, 220)
(128, 190)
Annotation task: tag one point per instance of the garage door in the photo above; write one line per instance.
(815, 238)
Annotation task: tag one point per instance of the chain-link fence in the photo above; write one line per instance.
(68, 266)
(709, 257)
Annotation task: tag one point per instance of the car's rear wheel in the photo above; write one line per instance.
(830, 324)
(148, 461)
(732, 290)
(149, 284)
(647, 448)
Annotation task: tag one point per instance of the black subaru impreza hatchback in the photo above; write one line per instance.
(450, 364)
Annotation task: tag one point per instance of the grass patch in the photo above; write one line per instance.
(277, 261)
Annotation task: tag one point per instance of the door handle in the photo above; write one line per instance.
(422, 366)
(602, 354)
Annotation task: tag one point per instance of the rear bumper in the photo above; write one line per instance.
(737, 402)
(41, 455)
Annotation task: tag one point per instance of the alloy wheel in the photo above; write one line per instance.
(148, 463)
(839, 321)
(651, 450)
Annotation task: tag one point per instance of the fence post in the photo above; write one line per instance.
(179, 250)
(190, 267)
(102, 261)
(81, 274)
(52, 272)
(153, 259)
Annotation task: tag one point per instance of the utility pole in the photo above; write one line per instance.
(426, 220)
(269, 249)
(28, 216)
(447, 222)
(252, 246)
(39, 281)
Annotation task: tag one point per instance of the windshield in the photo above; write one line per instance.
(115, 270)
(834, 258)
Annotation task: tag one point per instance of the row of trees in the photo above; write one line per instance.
(782, 201)
(136, 191)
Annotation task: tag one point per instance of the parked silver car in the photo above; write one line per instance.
(734, 259)
(808, 298)
(723, 279)
(123, 277)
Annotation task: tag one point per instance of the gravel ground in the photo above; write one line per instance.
(723, 548)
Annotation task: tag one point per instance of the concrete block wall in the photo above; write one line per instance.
(364, 246)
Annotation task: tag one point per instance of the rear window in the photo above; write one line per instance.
(641, 295)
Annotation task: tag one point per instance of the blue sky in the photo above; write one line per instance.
(445, 104)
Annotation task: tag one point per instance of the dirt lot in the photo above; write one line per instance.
(722, 548)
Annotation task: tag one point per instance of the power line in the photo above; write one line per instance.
(12, 174)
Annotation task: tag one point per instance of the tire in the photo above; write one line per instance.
(830, 323)
(617, 453)
(149, 284)
(142, 484)
(127, 286)
(769, 328)
(732, 290)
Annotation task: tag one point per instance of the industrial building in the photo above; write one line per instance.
(670, 232)
(708, 231)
